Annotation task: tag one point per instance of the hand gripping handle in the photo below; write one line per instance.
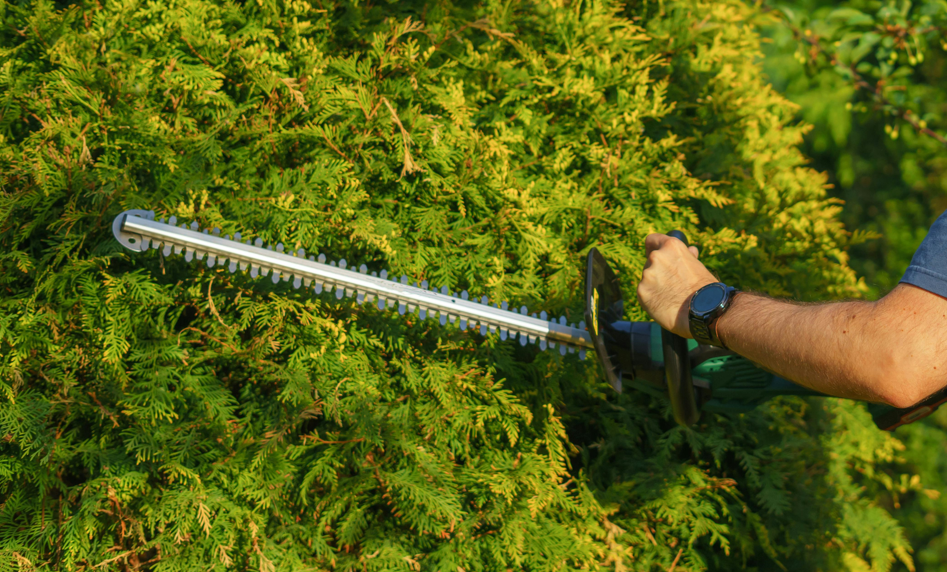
(677, 370)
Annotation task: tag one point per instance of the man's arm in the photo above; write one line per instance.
(893, 350)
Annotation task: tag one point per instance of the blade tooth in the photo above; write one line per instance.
(254, 271)
(145, 243)
(236, 236)
(443, 319)
(485, 301)
(173, 221)
(200, 254)
(401, 308)
(464, 295)
(543, 316)
(391, 303)
(503, 306)
(523, 310)
(424, 285)
(445, 291)
(342, 264)
(301, 253)
(411, 308)
(339, 292)
(562, 349)
(189, 255)
(244, 265)
(286, 277)
(279, 247)
(318, 287)
(360, 298)
(422, 313)
(215, 232)
(264, 270)
(381, 302)
(375, 274)
(349, 292)
(297, 282)
(233, 267)
(562, 320)
(162, 220)
(504, 334)
(463, 323)
(333, 263)
(582, 325)
(491, 328)
(167, 250)
(275, 276)
(523, 339)
(178, 248)
(571, 350)
(322, 258)
(363, 269)
(194, 226)
(404, 279)
(543, 345)
(384, 275)
(211, 260)
(483, 329)
(582, 353)
(258, 242)
(452, 317)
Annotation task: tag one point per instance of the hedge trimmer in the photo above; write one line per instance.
(641, 355)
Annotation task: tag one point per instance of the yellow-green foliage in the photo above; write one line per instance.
(168, 417)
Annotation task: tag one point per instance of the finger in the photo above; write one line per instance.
(655, 241)
(694, 251)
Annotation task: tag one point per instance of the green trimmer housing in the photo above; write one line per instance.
(695, 377)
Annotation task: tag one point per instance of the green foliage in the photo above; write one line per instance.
(879, 133)
(870, 76)
(160, 416)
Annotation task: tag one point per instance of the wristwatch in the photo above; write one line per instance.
(707, 305)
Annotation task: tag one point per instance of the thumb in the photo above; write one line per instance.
(694, 251)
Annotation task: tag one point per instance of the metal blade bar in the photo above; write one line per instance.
(136, 229)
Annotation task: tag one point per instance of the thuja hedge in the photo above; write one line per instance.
(156, 415)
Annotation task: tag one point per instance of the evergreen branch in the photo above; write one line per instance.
(196, 53)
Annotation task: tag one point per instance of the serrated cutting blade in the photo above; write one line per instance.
(137, 230)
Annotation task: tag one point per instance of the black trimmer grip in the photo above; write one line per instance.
(679, 235)
(677, 370)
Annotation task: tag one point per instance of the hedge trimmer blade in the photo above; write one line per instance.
(137, 230)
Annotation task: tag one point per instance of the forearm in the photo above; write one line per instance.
(835, 348)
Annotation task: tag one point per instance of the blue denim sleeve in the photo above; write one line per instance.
(928, 269)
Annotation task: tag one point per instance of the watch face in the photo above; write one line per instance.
(708, 299)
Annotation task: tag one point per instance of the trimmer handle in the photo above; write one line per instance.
(677, 370)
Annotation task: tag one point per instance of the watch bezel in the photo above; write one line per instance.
(719, 286)
(701, 322)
